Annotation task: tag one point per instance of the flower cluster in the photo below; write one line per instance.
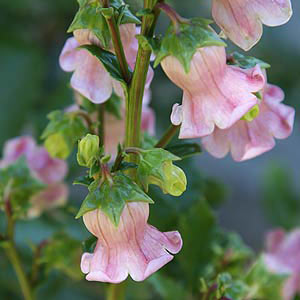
(47, 170)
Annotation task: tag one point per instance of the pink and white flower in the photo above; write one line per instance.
(282, 256)
(214, 94)
(133, 248)
(245, 139)
(242, 20)
(90, 77)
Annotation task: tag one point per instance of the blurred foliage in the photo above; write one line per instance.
(281, 199)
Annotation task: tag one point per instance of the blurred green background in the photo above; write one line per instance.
(260, 194)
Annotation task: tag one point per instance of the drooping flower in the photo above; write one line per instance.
(248, 139)
(282, 256)
(133, 248)
(90, 77)
(242, 20)
(214, 94)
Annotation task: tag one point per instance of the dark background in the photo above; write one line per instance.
(261, 193)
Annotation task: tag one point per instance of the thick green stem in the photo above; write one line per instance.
(116, 291)
(167, 137)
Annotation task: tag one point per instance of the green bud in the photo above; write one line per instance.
(88, 150)
(174, 180)
(251, 114)
(57, 146)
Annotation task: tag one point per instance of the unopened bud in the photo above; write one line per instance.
(88, 150)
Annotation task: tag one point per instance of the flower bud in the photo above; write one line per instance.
(174, 182)
(88, 150)
(57, 146)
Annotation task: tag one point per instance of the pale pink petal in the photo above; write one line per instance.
(214, 94)
(291, 287)
(241, 20)
(69, 56)
(54, 195)
(247, 140)
(91, 79)
(274, 240)
(133, 248)
(45, 168)
(176, 115)
(148, 120)
(15, 148)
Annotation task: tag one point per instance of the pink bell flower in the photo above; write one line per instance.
(90, 78)
(133, 248)
(282, 256)
(242, 20)
(248, 139)
(214, 94)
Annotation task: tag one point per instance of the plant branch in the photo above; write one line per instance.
(117, 43)
(12, 254)
(167, 137)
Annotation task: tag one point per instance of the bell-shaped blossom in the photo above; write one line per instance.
(90, 78)
(54, 195)
(133, 248)
(242, 20)
(214, 94)
(282, 256)
(248, 139)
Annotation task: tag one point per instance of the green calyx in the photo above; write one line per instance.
(111, 195)
(245, 62)
(184, 43)
(156, 167)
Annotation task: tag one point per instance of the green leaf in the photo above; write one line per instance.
(184, 44)
(113, 105)
(109, 61)
(245, 62)
(17, 183)
(148, 141)
(83, 180)
(62, 253)
(62, 133)
(89, 16)
(111, 197)
(185, 150)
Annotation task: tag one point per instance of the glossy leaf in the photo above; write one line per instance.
(111, 197)
(185, 150)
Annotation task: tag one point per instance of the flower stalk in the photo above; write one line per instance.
(117, 43)
(168, 136)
